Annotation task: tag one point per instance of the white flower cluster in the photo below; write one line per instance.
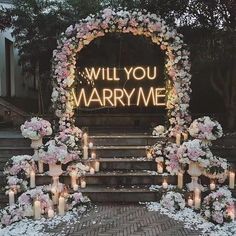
(159, 131)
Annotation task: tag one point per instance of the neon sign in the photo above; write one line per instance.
(117, 94)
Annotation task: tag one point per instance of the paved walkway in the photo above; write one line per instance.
(124, 220)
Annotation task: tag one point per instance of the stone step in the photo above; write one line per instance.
(124, 140)
(14, 142)
(12, 151)
(114, 178)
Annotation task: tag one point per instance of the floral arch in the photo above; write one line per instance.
(135, 22)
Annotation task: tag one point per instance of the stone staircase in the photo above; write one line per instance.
(125, 174)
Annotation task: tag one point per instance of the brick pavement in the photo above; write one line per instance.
(124, 220)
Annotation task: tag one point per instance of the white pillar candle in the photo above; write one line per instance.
(160, 167)
(73, 175)
(32, 179)
(185, 136)
(231, 179)
(93, 155)
(85, 139)
(37, 210)
(61, 206)
(85, 152)
(92, 171)
(75, 187)
(190, 202)
(50, 213)
(97, 166)
(197, 193)
(83, 184)
(180, 180)
(90, 145)
(212, 186)
(11, 197)
(40, 166)
(55, 195)
(197, 202)
(178, 139)
(164, 184)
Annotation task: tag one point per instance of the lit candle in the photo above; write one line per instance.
(85, 153)
(180, 180)
(185, 136)
(85, 139)
(160, 167)
(149, 155)
(93, 155)
(61, 206)
(37, 209)
(231, 179)
(75, 187)
(97, 166)
(73, 175)
(197, 202)
(32, 179)
(90, 145)
(190, 202)
(164, 184)
(212, 186)
(40, 166)
(50, 212)
(83, 184)
(11, 197)
(178, 139)
(92, 171)
(55, 195)
(197, 193)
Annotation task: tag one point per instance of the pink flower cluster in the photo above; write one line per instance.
(136, 23)
(36, 128)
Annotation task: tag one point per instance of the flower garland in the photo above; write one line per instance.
(135, 22)
(205, 128)
(218, 207)
(17, 171)
(36, 128)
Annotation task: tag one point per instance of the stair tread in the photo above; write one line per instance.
(121, 159)
(15, 148)
(125, 136)
(118, 147)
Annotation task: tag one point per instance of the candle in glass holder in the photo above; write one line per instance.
(178, 139)
(85, 139)
(164, 184)
(180, 180)
(85, 152)
(32, 179)
(212, 185)
(37, 209)
(92, 171)
(97, 166)
(83, 183)
(231, 179)
(190, 202)
(11, 194)
(40, 166)
(50, 212)
(90, 145)
(61, 206)
(93, 155)
(160, 167)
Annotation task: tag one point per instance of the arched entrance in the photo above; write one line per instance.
(136, 23)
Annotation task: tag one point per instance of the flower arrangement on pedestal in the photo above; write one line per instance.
(173, 201)
(17, 171)
(35, 129)
(205, 128)
(218, 207)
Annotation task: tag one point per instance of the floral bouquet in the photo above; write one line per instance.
(218, 207)
(172, 160)
(17, 171)
(36, 128)
(217, 168)
(10, 214)
(71, 137)
(194, 151)
(79, 168)
(173, 201)
(205, 128)
(26, 201)
(159, 131)
(77, 199)
(156, 151)
(54, 152)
